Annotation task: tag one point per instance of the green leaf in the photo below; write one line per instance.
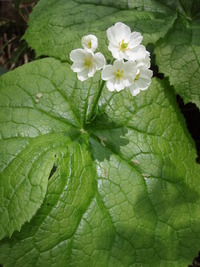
(125, 191)
(26, 156)
(178, 57)
(189, 8)
(56, 27)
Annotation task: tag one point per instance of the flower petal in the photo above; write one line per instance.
(142, 84)
(123, 30)
(135, 91)
(119, 85)
(110, 85)
(130, 67)
(137, 53)
(77, 55)
(135, 39)
(100, 60)
(112, 35)
(115, 51)
(130, 72)
(118, 64)
(77, 66)
(91, 72)
(118, 32)
(83, 75)
(145, 61)
(147, 73)
(108, 73)
(90, 42)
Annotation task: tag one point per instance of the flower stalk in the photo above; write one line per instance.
(94, 109)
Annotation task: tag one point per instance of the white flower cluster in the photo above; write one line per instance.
(131, 65)
(86, 63)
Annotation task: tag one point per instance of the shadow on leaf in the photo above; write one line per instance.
(107, 138)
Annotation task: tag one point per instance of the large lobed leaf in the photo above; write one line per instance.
(178, 54)
(26, 156)
(125, 187)
(56, 27)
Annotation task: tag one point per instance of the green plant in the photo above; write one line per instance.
(112, 182)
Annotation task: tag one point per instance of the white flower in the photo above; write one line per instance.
(90, 42)
(142, 80)
(119, 75)
(146, 60)
(125, 44)
(86, 63)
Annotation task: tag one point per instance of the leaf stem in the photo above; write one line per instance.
(94, 107)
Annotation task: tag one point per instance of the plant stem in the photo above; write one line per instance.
(93, 110)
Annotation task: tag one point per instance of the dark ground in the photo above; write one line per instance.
(14, 16)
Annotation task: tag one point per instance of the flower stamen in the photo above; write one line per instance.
(137, 77)
(90, 44)
(119, 74)
(87, 62)
(123, 46)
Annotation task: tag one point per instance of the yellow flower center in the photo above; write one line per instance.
(123, 46)
(90, 44)
(119, 74)
(137, 77)
(87, 62)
